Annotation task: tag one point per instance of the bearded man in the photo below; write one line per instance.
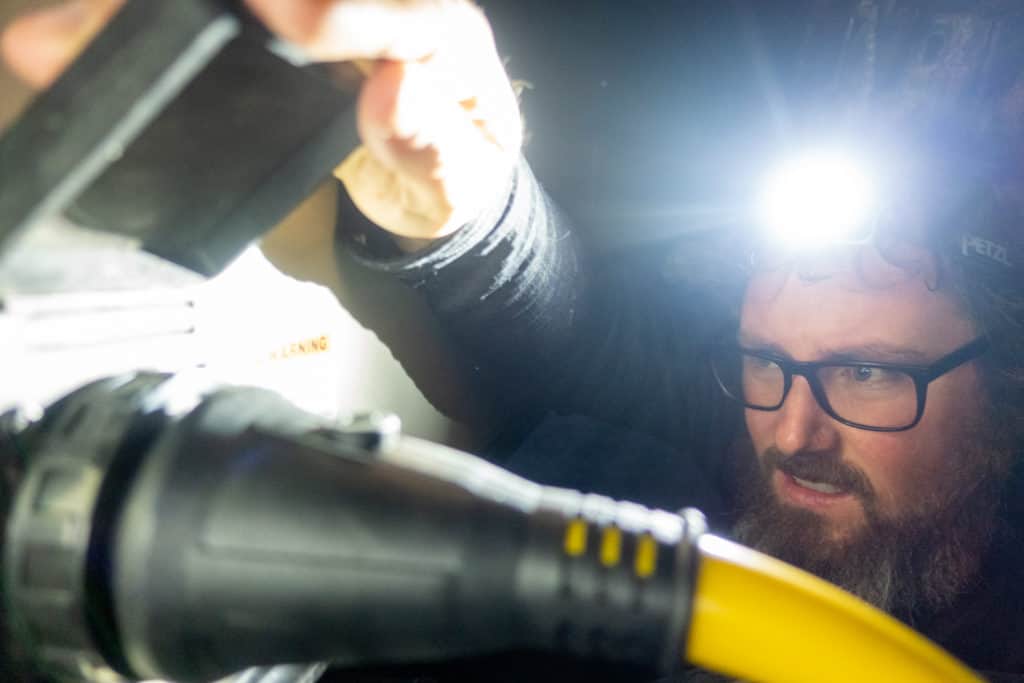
(878, 409)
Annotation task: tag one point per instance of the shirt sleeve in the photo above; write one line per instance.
(509, 287)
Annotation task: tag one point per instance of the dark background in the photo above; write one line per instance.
(656, 102)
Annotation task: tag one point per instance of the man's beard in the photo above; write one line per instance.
(911, 565)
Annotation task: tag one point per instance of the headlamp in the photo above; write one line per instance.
(817, 199)
(968, 214)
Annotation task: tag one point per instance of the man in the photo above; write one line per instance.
(599, 358)
(904, 517)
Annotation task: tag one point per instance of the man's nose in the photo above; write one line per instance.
(802, 424)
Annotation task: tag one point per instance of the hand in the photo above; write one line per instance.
(437, 116)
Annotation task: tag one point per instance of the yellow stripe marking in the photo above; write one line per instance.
(576, 538)
(611, 547)
(646, 556)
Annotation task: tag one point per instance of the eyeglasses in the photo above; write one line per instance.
(880, 397)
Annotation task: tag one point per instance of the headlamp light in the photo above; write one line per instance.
(966, 213)
(818, 199)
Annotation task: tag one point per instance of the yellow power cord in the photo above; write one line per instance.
(760, 619)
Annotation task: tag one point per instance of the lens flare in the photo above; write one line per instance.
(818, 199)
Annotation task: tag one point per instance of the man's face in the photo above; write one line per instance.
(836, 485)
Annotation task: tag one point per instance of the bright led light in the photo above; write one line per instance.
(818, 199)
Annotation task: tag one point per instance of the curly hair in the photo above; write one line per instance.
(998, 312)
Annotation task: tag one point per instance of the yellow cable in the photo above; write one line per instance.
(762, 620)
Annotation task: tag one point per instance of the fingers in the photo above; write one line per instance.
(38, 46)
(408, 108)
(453, 35)
(438, 118)
(427, 166)
(337, 30)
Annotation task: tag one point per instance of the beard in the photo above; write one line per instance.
(912, 564)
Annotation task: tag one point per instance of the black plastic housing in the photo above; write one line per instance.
(228, 529)
(181, 125)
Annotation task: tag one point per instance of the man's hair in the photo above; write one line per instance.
(997, 310)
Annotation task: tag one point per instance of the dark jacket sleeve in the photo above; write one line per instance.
(549, 326)
(509, 287)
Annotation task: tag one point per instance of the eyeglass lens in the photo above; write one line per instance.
(858, 393)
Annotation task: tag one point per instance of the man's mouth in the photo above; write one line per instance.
(815, 481)
(819, 486)
(809, 493)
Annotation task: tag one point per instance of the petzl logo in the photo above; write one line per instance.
(972, 244)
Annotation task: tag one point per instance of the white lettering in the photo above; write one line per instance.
(983, 247)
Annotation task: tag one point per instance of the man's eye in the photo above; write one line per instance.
(865, 374)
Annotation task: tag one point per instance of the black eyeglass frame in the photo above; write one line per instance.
(922, 376)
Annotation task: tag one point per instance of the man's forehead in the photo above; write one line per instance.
(809, 318)
(877, 349)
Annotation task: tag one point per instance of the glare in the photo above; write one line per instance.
(818, 199)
